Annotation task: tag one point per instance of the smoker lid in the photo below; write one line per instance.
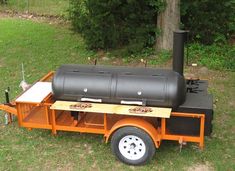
(116, 69)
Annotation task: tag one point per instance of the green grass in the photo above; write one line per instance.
(153, 58)
(45, 7)
(213, 56)
(42, 47)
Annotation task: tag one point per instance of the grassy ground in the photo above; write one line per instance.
(42, 47)
(48, 7)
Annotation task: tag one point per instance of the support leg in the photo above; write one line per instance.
(202, 132)
(53, 122)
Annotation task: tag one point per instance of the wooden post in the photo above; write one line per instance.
(105, 122)
(202, 131)
(46, 115)
(163, 127)
(53, 122)
(19, 114)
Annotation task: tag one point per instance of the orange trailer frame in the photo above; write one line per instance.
(41, 116)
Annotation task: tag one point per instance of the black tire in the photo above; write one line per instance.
(119, 138)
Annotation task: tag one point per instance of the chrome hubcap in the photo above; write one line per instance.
(132, 147)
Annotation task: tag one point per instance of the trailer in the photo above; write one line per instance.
(135, 132)
(134, 129)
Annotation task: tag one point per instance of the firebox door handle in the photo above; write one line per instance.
(132, 102)
(91, 100)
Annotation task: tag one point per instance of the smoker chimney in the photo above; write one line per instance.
(180, 37)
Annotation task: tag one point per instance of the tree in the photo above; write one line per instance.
(168, 21)
(210, 21)
(3, 1)
(108, 24)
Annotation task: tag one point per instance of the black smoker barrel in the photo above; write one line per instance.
(108, 84)
(125, 85)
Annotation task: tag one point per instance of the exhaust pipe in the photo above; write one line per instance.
(180, 37)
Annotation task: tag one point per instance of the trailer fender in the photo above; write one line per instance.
(135, 122)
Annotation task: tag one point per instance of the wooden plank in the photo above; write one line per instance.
(36, 94)
(112, 109)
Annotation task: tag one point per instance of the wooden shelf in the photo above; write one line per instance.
(64, 119)
(113, 109)
(36, 115)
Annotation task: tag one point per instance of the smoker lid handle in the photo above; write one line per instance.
(132, 102)
(91, 100)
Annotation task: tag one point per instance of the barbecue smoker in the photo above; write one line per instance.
(135, 108)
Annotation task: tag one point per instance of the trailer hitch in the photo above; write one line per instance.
(8, 107)
(182, 143)
(7, 97)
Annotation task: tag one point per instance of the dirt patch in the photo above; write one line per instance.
(50, 19)
(53, 20)
(232, 103)
(3, 15)
(59, 167)
(200, 167)
(205, 74)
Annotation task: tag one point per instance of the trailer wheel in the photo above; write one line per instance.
(132, 146)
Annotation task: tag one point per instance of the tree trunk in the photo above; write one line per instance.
(168, 21)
